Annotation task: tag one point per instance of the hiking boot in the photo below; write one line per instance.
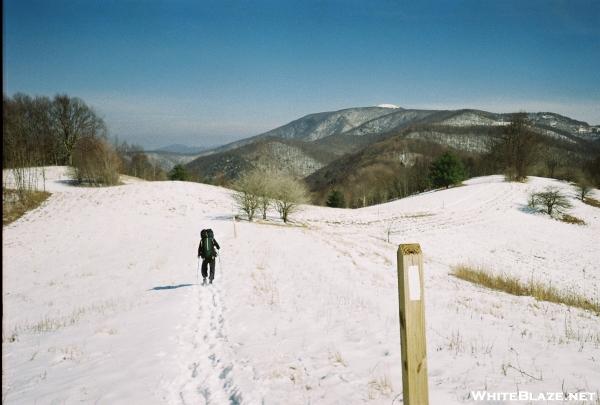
(204, 280)
(210, 282)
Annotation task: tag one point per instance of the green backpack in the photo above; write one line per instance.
(208, 245)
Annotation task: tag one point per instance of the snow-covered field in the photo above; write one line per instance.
(101, 303)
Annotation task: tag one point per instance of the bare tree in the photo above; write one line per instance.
(551, 200)
(73, 119)
(288, 194)
(517, 147)
(266, 191)
(249, 189)
(25, 132)
(584, 188)
(552, 160)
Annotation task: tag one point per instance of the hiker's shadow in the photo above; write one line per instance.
(169, 287)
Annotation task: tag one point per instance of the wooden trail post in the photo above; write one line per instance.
(411, 296)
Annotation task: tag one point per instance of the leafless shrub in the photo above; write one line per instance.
(551, 200)
(250, 187)
(95, 162)
(583, 188)
(288, 194)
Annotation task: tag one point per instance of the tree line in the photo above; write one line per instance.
(64, 130)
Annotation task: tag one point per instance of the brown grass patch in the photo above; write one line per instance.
(592, 201)
(15, 206)
(570, 219)
(535, 289)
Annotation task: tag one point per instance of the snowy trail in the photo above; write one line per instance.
(210, 368)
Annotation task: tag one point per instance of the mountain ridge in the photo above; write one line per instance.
(332, 135)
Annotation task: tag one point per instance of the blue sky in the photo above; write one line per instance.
(208, 72)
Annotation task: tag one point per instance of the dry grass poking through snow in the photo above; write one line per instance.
(591, 201)
(570, 219)
(14, 207)
(380, 387)
(535, 289)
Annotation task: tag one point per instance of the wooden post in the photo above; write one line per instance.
(411, 296)
(234, 230)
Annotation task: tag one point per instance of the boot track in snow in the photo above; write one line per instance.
(211, 379)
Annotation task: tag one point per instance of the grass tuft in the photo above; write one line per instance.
(15, 206)
(535, 289)
(380, 387)
(570, 219)
(591, 201)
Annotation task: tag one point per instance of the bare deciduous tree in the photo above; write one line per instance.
(249, 189)
(552, 201)
(288, 194)
(517, 147)
(552, 160)
(584, 188)
(73, 120)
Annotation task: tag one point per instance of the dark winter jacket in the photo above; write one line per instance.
(201, 248)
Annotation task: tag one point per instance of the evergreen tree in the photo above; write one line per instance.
(446, 170)
(336, 199)
(178, 173)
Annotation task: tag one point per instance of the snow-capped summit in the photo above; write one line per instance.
(388, 106)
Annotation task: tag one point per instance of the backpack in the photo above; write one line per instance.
(208, 246)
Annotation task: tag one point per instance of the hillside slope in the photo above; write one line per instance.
(336, 134)
(285, 155)
(101, 302)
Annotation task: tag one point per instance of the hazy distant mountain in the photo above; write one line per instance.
(179, 148)
(168, 156)
(167, 160)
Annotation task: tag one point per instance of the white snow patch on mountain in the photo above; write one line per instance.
(387, 106)
(101, 303)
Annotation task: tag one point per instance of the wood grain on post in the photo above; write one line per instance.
(411, 294)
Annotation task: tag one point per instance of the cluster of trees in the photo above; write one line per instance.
(179, 173)
(517, 148)
(39, 131)
(134, 162)
(257, 191)
(380, 183)
(384, 184)
(42, 131)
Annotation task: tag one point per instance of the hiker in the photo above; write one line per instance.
(207, 250)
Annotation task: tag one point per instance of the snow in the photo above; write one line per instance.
(101, 302)
(388, 106)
